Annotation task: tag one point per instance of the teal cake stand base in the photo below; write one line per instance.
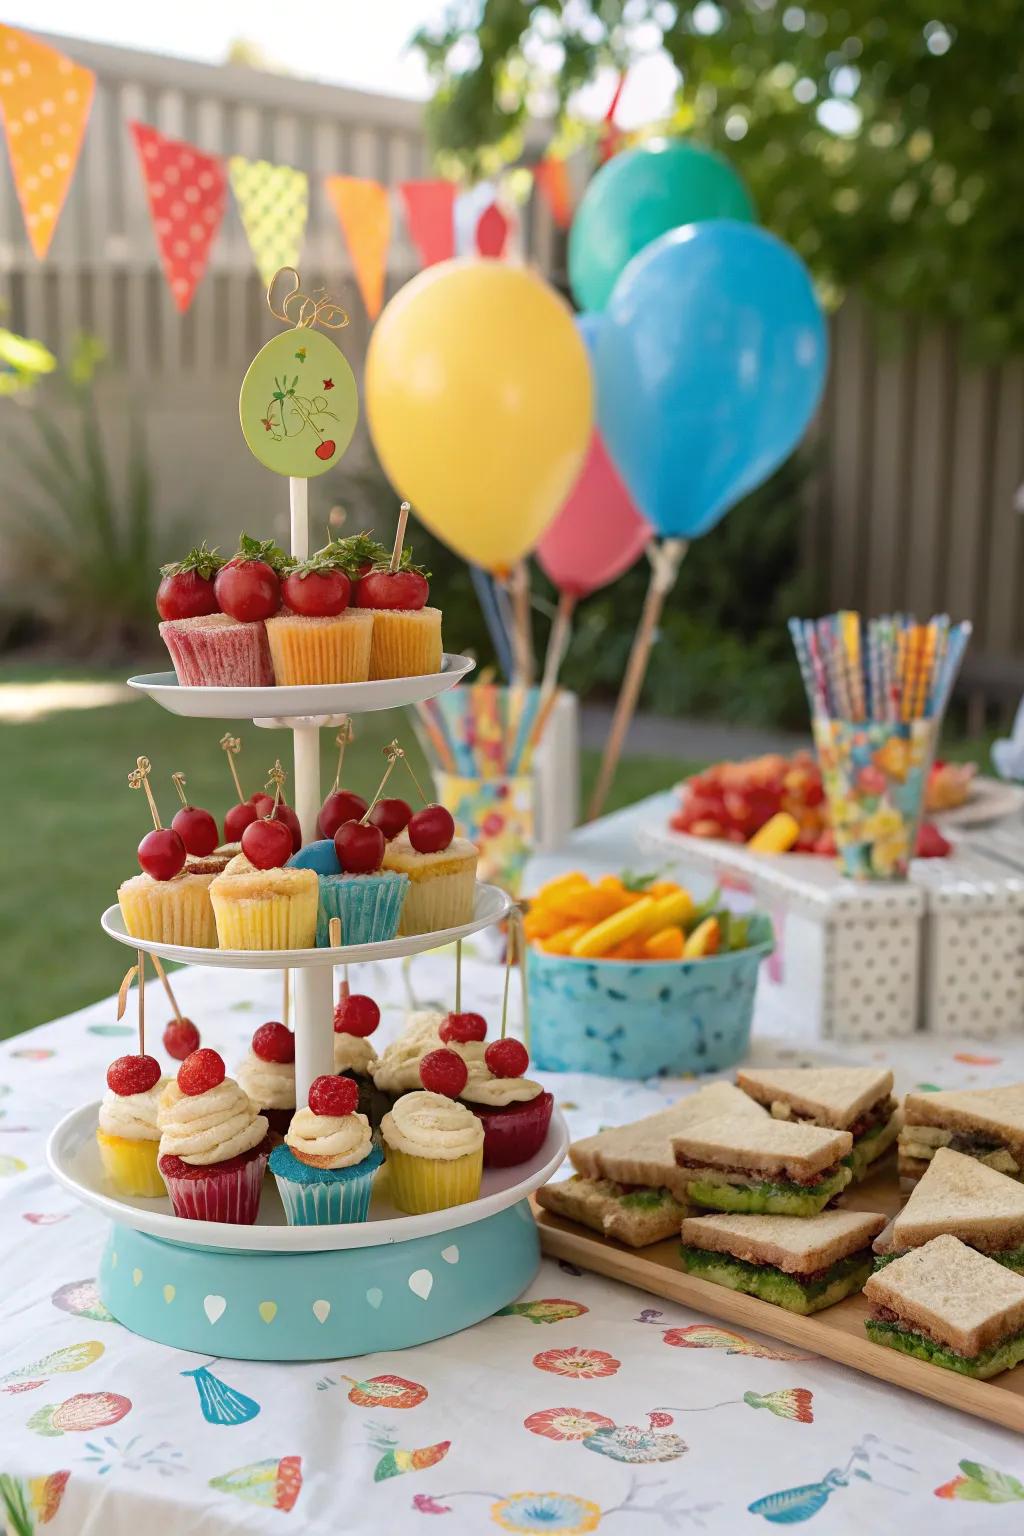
(318, 1306)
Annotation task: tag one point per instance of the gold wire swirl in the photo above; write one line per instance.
(313, 309)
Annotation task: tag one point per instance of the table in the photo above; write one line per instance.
(584, 1407)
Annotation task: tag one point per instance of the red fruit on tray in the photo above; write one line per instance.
(356, 1014)
(263, 802)
(291, 821)
(237, 819)
(340, 805)
(444, 1072)
(201, 1071)
(162, 853)
(463, 1028)
(187, 588)
(267, 843)
(197, 830)
(133, 1074)
(274, 1042)
(431, 830)
(931, 844)
(506, 1058)
(316, 593)
(392, 816)
(360, 847)
(181, 1038)
(334, 1096)
(406, 590)
(248, 587)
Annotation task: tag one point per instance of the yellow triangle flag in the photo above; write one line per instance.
(273, 201)
(45, 99)
(364, 213)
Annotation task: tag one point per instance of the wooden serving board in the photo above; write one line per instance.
(837, 1333)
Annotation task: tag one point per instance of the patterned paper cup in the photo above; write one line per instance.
(875, 773)
(497, 815)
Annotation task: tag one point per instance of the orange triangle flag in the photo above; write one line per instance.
(364, 214)
(44, 99)
(551, 177)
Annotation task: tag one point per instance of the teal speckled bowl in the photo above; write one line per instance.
(652, 1018)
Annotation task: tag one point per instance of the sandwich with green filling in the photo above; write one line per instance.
(801, 1263)
(984, 1123)
(763, 1167)
(631, 1214)
(949, 1305)
(854, 1099)
(962, 1197)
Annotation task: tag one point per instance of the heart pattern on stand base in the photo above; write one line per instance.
(421, 1283)
(214, 1307)
(375, 1296)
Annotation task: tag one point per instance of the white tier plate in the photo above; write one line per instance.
(491, 904)
(74, 1160)
(308, 704)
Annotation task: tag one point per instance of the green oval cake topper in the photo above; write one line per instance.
(298, 404)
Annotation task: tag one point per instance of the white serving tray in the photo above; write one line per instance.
(490, 906)
(74, 1161)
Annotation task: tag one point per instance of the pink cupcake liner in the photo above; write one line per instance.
(221, 1192)
(215, 651)
(515, 1132)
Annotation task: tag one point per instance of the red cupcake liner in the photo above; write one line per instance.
(515, 1132)
(220, 1192)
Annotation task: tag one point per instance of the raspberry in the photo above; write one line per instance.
(201, 1071)
(443, 1072)
(463, 1028)
(506, 1058)
(274, 1042)
(356, 1015)
(181, 1038)
(133, 1074)
(334, 1096)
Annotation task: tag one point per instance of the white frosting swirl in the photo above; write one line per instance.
(482, 1087)
(270, 1084)
(353, 1053)
(208, 1127)
(132, 1115)
(333, 1141)
(398, 1066)
(430, 1125)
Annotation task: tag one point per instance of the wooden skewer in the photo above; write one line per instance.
(167, 986)
(123, 989)
(396, 553)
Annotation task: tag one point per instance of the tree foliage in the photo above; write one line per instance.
(880, 138)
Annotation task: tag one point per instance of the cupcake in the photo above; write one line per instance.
(368, 905)
(213, 651)
(442, 881)
(213, 1145)
(264, 908)
(127, 1134)
(434, 1151)
(267, 1075)
(320, 650)
(325, 1166)
(356, 1016)
(176, 911)
(406, 633)
(515, 1112)
(397, 1069)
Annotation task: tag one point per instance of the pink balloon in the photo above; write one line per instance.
(598, 534)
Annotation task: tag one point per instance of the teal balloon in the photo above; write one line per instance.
(639, 195)
(711, 361)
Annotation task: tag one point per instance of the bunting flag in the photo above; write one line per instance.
(45, 99)
(273, 201)
(364, 213)
(551, 177)
(430, 215)
(492, 231)
(187, 193)
(611, 136)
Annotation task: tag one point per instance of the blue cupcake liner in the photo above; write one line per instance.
(315, 1197)
(369, 906)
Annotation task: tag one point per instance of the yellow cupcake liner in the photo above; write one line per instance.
(265, 922)
(420, 1184)
(170, 911)
(438, 901)
(405, 644)
(131, 1165)
(329, 650)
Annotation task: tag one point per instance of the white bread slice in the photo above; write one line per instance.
(762, 1147)
(835, 1096)
(598, 1203)
(641, 1153)
(959, 1297)
(959, 1195)
(995, 1111)
(797, 1244)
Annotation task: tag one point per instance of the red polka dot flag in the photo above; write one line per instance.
(187, 194)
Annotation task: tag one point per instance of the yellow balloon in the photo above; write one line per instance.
(479, 402)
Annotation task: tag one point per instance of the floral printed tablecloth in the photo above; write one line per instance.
(585, 1406)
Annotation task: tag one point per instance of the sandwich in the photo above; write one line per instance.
(627, 1184)
(985, 1123)
(949, 1305)
(854, 1099)
(778, 1167)
(964, 1198)
(801, 1263)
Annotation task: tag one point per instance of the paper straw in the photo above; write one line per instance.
(803, 657)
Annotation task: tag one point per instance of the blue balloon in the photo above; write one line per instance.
(589, 327)
(711, 360)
